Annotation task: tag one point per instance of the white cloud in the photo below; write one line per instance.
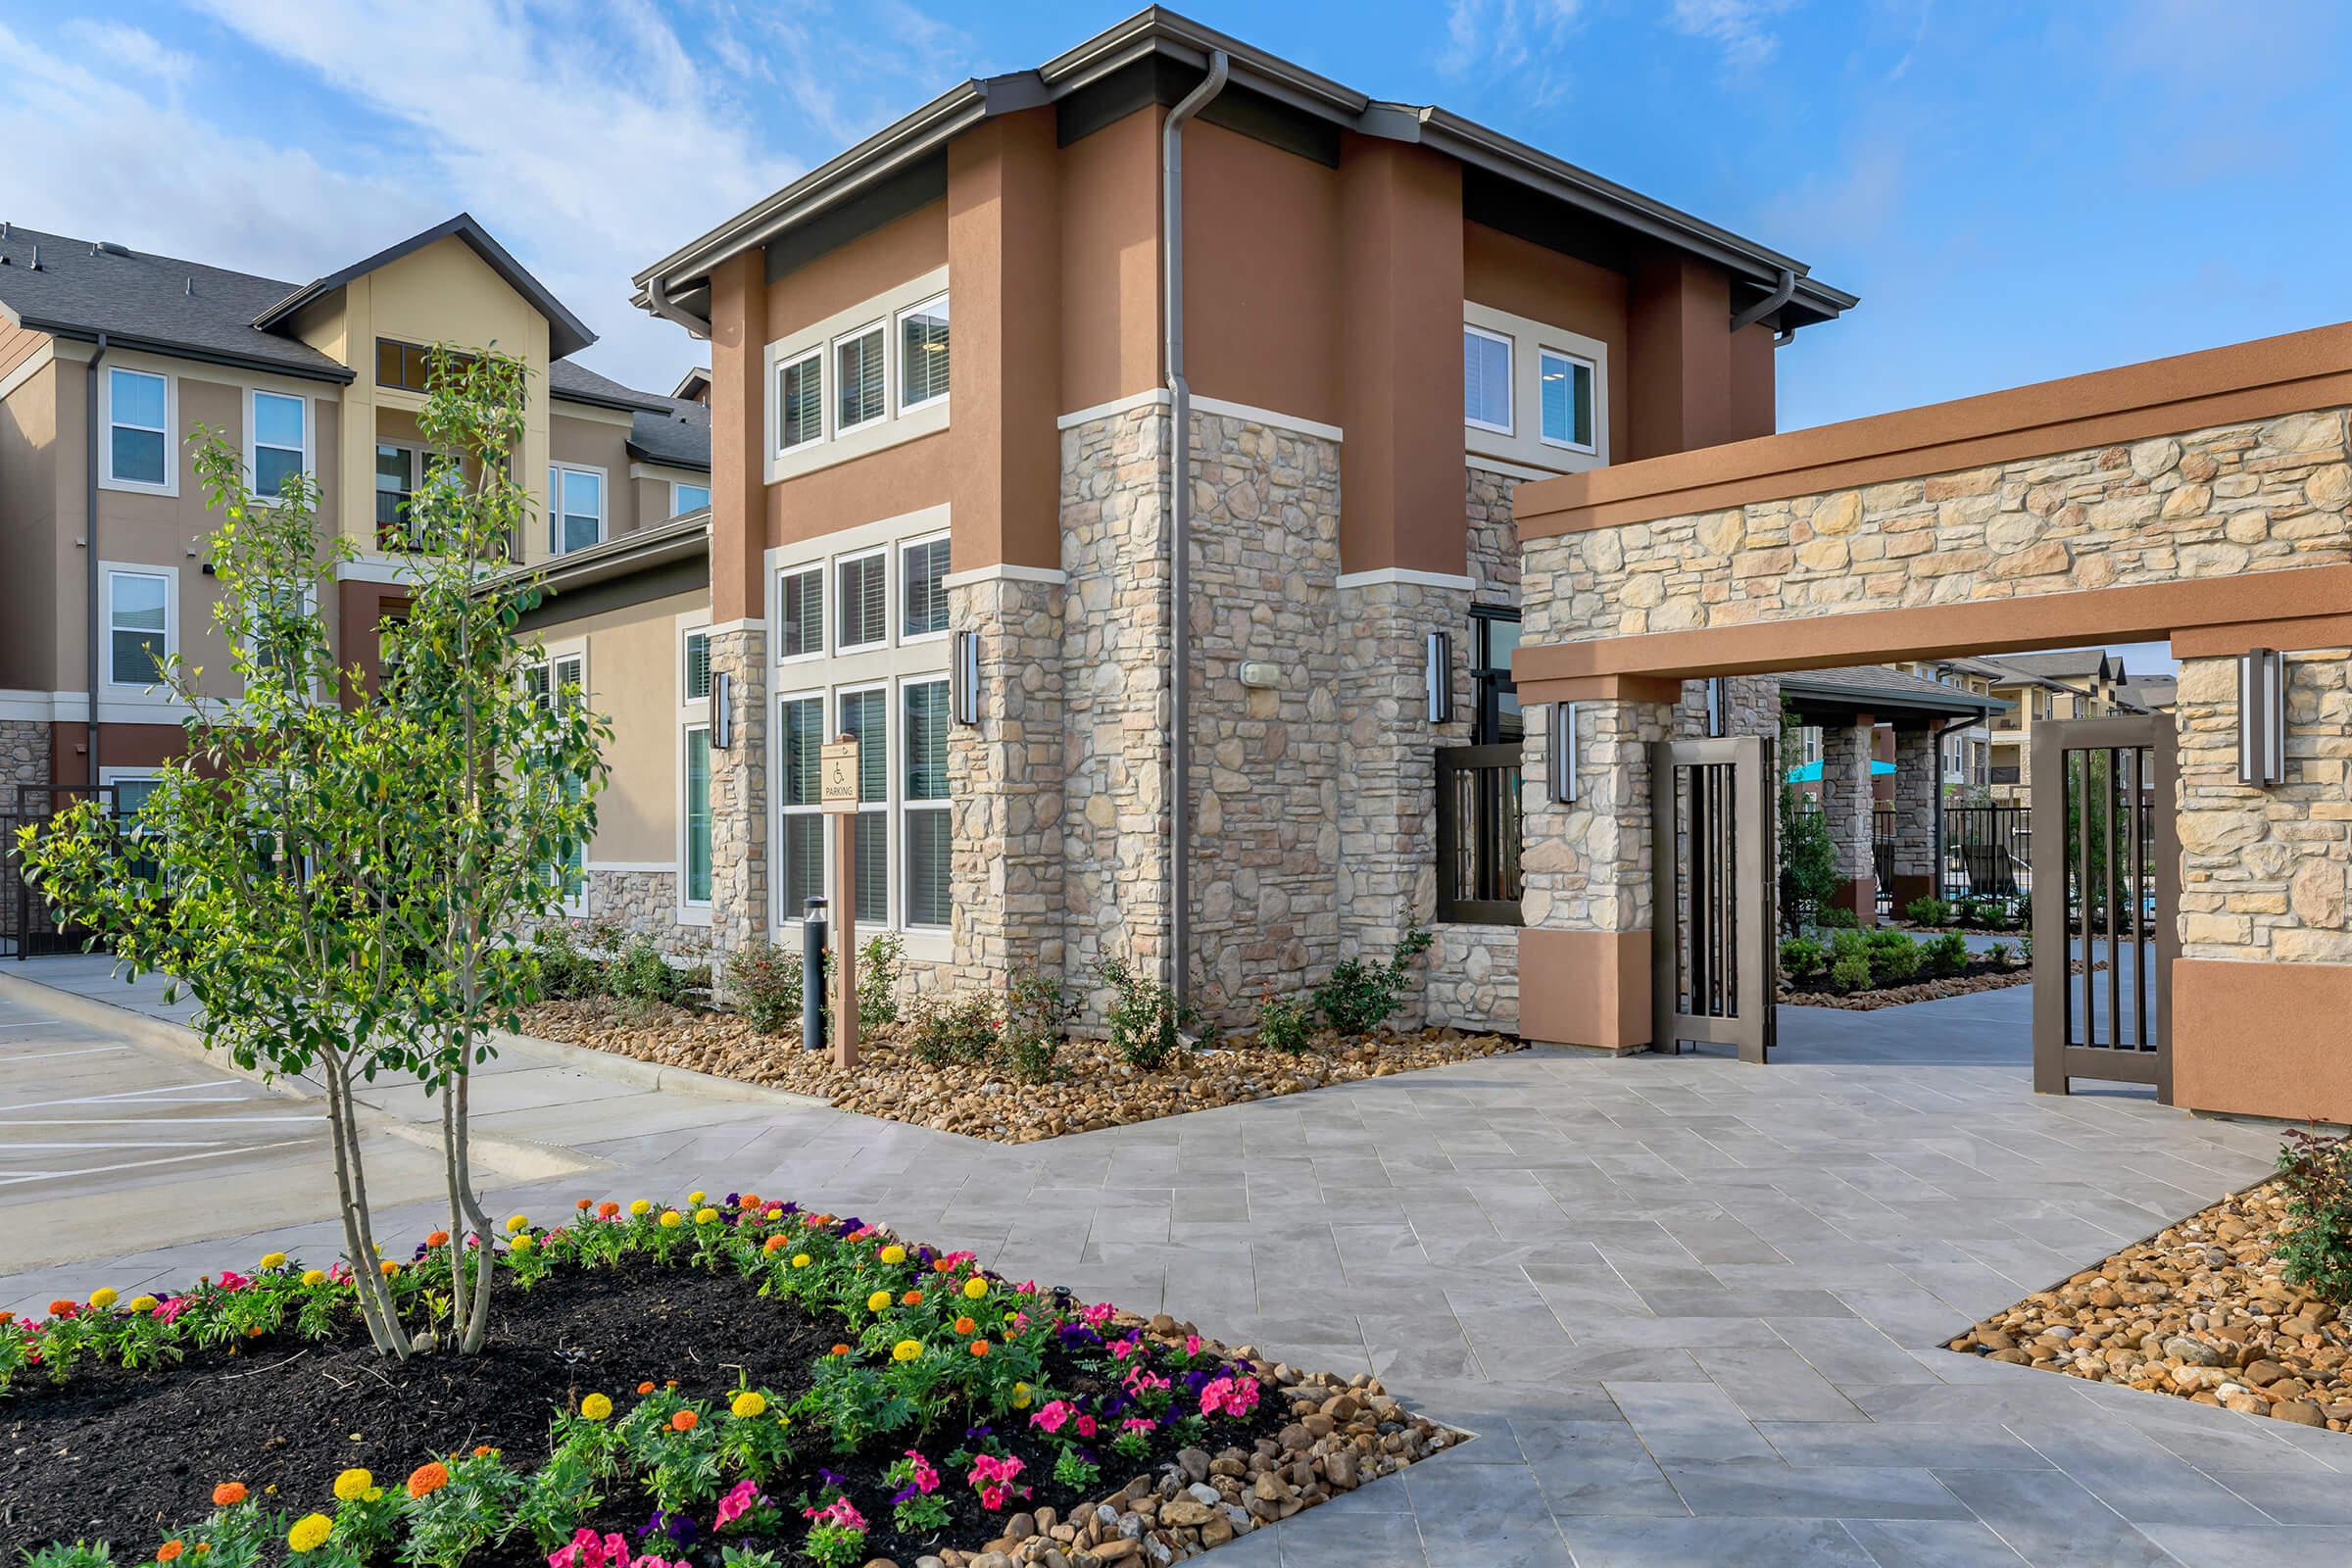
(1741, 28)
(1525, 40)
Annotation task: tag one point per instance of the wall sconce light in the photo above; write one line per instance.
(723, 710)
(1258, 675)
(1714, 707)
(2262, 716)
(966, 704)
(1562, 762)
(1440, 678)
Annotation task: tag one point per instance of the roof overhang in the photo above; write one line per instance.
(676, 287)
(82, 332)
(1809, 691)
(567, 334)
(680, 539)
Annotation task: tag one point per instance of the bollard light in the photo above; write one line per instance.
(2262, 716)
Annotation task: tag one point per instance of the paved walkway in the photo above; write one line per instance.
(1690, 1307)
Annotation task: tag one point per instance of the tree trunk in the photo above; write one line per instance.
(478, 1327)
(383, 1324)
(459, 1310)
(367, 1266)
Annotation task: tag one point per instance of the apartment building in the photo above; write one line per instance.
(111, 357)
(2072, 683)
(954, 372)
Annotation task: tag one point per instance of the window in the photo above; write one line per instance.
(1486, 379)
(697, 815)
(1566, 385)
(138, 621)
(1493, 639)
(575, 507)
(277, 445)
(801, 613)
(408, 365)
(138, 430)
(800, 402)
(923, 579)
(864, 584)
(800, 738)
(564, 681)
(395, 484)
(685, 498)
(865, 716)
(857, 371)
(923, 353)
(698, 665)
(928, 825)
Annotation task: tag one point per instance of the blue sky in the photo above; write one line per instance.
(2016, 192)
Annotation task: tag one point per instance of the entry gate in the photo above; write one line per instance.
(2106, 896)
(1715, 977)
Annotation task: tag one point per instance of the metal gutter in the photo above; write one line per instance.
(1742, 320)
(78, 332)
(1180, 525)
(677, 540)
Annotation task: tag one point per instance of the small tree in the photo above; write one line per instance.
(513, 762)
(1809, 874)
(259, 873)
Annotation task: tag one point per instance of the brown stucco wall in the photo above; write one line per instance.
(118, 746)
(903, 248)
(1525, 279)
(1109, 262)
(1262, 243)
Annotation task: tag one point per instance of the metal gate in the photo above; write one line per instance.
(2106, 897)
(29, 929)
(1715, 958)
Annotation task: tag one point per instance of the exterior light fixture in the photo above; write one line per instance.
(1562, 760)
(1715, 705)
(967, 698)
(2262, 716)
(1260, 675)
(723, 710)
(1438, 677)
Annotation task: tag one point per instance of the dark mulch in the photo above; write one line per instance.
(126, 1457)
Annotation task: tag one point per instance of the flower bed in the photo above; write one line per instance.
(1093, 1087)
(729, 1383)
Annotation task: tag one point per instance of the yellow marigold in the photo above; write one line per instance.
(696, 1196)
(671, 1219)
(516, 1223)
(1022, 1396)
(310, 1532)
(273, 1261)
(641, 1208)
(314, 1276)
(975, 1287)
(143, 1304)
(705, 1216)
(774, 1214)
(104, 1296)
(389, 1268)
(894, 1254)
(749, 1404)
(907, 1351)
(521, 1243)
(879, 1301)
(800, 1260)
(596, 1407)
(353, 1484)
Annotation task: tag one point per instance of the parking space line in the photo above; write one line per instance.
(142, 1164)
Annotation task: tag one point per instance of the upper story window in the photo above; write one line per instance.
(800, 612)
(800, 402)
(575, 507)
(685, 498)
(1486, 379)
(698, 665)
(858, 370)
(863, 581)
(406, 365)
(278, 440)
(923, 353)
(1564, 383)
(139, 626)
(138, 446)
(864, 378)
(923, 587)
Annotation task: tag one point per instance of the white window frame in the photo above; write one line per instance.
(552, 656)
(897, 347)
(253, 441)
(821, 338)
(818, 352)
(556, 469)
(1592, 372)
(902, 810)
(822, 567)
(889, 381)
(694, 712)
(168, 576)
(686, 636)
(890, 622)
(677, 509)
(823, 698)
(898, 572)
(107, 478)
(887, 807)
(1511, 348)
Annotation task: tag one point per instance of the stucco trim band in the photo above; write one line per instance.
(1585, 988)
(1393, 576)
(1007, 572)
(1268, 417)
(1153, 397)
(2144, 612)
(2263, 1039)
(2258, 380)
(2228, 642)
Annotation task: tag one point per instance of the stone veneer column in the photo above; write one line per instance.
(1918, 797)
(23, 757)
(1004, 773)
(739, 795)
(1845, 802)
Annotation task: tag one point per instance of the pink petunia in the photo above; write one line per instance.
(739, 1500)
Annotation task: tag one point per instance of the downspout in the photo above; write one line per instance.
(658, 296)
(1767, 305)
(90, 538)
(1180, 524)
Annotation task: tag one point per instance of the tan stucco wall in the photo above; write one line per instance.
(28, 523)
(633, 680)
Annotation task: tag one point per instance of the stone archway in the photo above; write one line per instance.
(2201, 500)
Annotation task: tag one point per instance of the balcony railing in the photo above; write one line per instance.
(1478, 881)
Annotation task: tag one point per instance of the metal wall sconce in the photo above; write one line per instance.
(2262, 716)
(1562, 760)
(966, 701)
(723, 710)
(1714, 707)
(1440, 678)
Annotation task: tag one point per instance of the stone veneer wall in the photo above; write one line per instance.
(739, 845)
(1266, 765)
(1589, 865)
(1474, 978)
(645, 902)
(1918, 790)
(23, 756)
(2266, 873)
(1007, 872)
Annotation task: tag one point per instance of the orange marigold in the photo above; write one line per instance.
(437, 1238)
(941, 1265)
(841, 1350)
(965, 1325)
(608, 1210)
(683, 1421)
(912, 1298)
(170, 1550)
(583, 1204)
(748, 1200)
(979, 1346)
(428, 1479)
(647, 1386)
(774, 1243)
(228, 1494)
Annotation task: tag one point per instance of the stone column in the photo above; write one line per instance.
(739, 795)
(1005, 777)
(1845, 802)
(23, 757)
(1585, 950)
(1918, 797)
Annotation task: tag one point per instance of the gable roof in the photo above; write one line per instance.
(567, 334)
(1880, 687)
(677, 433)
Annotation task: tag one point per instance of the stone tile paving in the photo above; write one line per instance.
(1691, 1307)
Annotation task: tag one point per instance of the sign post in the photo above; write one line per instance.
(839, 761)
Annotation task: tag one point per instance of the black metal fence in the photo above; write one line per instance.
(1988, 852)
(1479, 882)
(27, 927)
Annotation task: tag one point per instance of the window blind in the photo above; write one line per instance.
(804, 613)
(925, 607)
(865, 600)
(857, 371)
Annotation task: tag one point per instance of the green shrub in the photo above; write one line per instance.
(1894, 959)
(1849, 944)
(1037, 1012)
(1145, 1021)
(642, 974)
(1360, 996)
(1283, 1023)
(1803, 958)
(1947, 955)
(565, 974)
(1928, 911)
(763, 981)
(1850, 972)
(1839, 918)
(878, 980)
(942, 1034)
(2316, 1252)
(1998, 953)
